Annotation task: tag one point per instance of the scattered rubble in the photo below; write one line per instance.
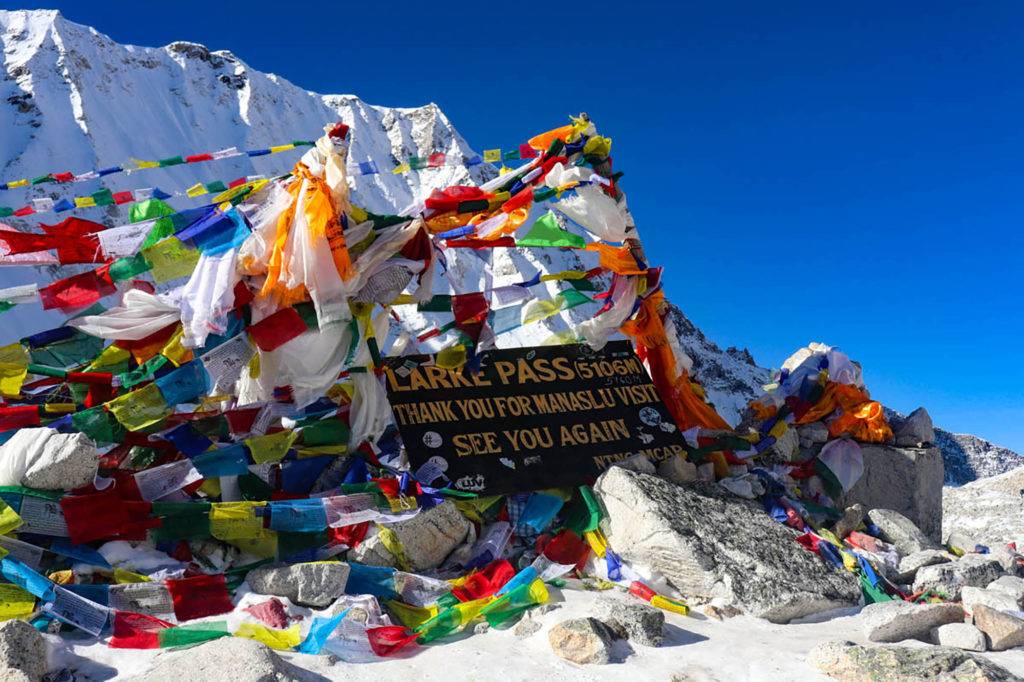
(895, 621)
(849, 662)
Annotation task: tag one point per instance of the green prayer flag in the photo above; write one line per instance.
(163, 228)
(126, 268)
(512, 155)
(103, 198)
(439, 303)
(547, 232)
(147, 210)
(5, 306)
(216, 186)
(417, 162)
(325, 432)
(98, 424)
(196, 633)
(41, 179)
(6, 211)
(171, 161)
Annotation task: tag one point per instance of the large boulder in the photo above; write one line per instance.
(315, 584)
(1010, 585)
(976, 596)
(895, 621)
(228, 658)
(907, 480)
(643, 623)
(900, 531)
(911, 563)
(849, 662)
(425, 540)
(976, 570)
(1004, 630)
(47, 459)
(582, 640)
(709, 544)
(960, 635)
(915, 431)
(22, 651)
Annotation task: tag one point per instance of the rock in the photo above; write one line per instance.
(988, 511)
(787, 447)
(637, 463)
(526, 627)
(916, 430)
(481, 628)
(910, 564)
(1011, 585)
(1011, 561)
(852, 517)
(706, 472)
(678, 470)
(22, 650)
(709, 544)
(644, 624)
(894, 621)
(1000, 601)
(426, 539)
(849, 662)
(1003, 630)
(907, 480)
(900, 531)
(963, 542)
(815, 432)
(43, 458)
(975, 570)
(228, 658)
(960, 635)
(315, 584)
(581, 640)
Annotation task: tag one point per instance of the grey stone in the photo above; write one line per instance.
(644, 624)
(1011, 585)
(426, 539)
(963, 542)
(22, 649)
(852, 517)
(315, 584)
(227, 658)
(1011, 560)
(46, 459)
(975, 570)
(581, 640)
(787, 447)
(916, 430)
(815, 432)
(706, 472)
(895, 621)
(526, 627)
(910, 564)
(849, 662)
(900, 531)
(907, 480)
(709, 544)
(481, 628)
(678, 470)
(1000, 601)
(1004, 631)
(960, 635)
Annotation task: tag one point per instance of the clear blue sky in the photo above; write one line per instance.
(806, 173)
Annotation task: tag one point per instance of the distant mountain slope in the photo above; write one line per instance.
(968, 457)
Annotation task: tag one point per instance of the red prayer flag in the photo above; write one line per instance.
(236, 183)
(26, 242)
(470, 312)
(196, 158)
(350, 536)
(276, 330)
(389, 639)
(567, 549)
(24, 211)
(136, 631)
(72, 226)
(67, 176)
(527, 152)
(199, 596)
(479, 243)
(76, 292)
(436, 159)
(486, 581)
(18, 417)
(123, 197)
(78, 243)
(94, 517)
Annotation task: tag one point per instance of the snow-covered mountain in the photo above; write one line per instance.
(72, 99)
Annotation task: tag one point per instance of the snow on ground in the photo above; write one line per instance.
(696, 649)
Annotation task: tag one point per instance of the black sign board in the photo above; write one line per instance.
(531, 418)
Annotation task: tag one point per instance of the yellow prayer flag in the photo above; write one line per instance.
(18, 183)
(263, 545)
(600, 146)
(235, 520)
(145, 164)
(196, 190)
(84, 202)
(60, 408)
(492, 155)
(170, 259)
(65, 577)
(452, 357)
(540, 309)
(271, 448)
(15, 602)
(14, 361)
(275, 639)
(401, 168)
(123, 577)
(564, 274)
(111, 355)
(403, 299)
(232, 192)
(359, 215)
(281, 148)
(174, 351)
(139, 409)
(411, 616)
(9, 519)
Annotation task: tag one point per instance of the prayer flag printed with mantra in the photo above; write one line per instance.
(531, 418)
